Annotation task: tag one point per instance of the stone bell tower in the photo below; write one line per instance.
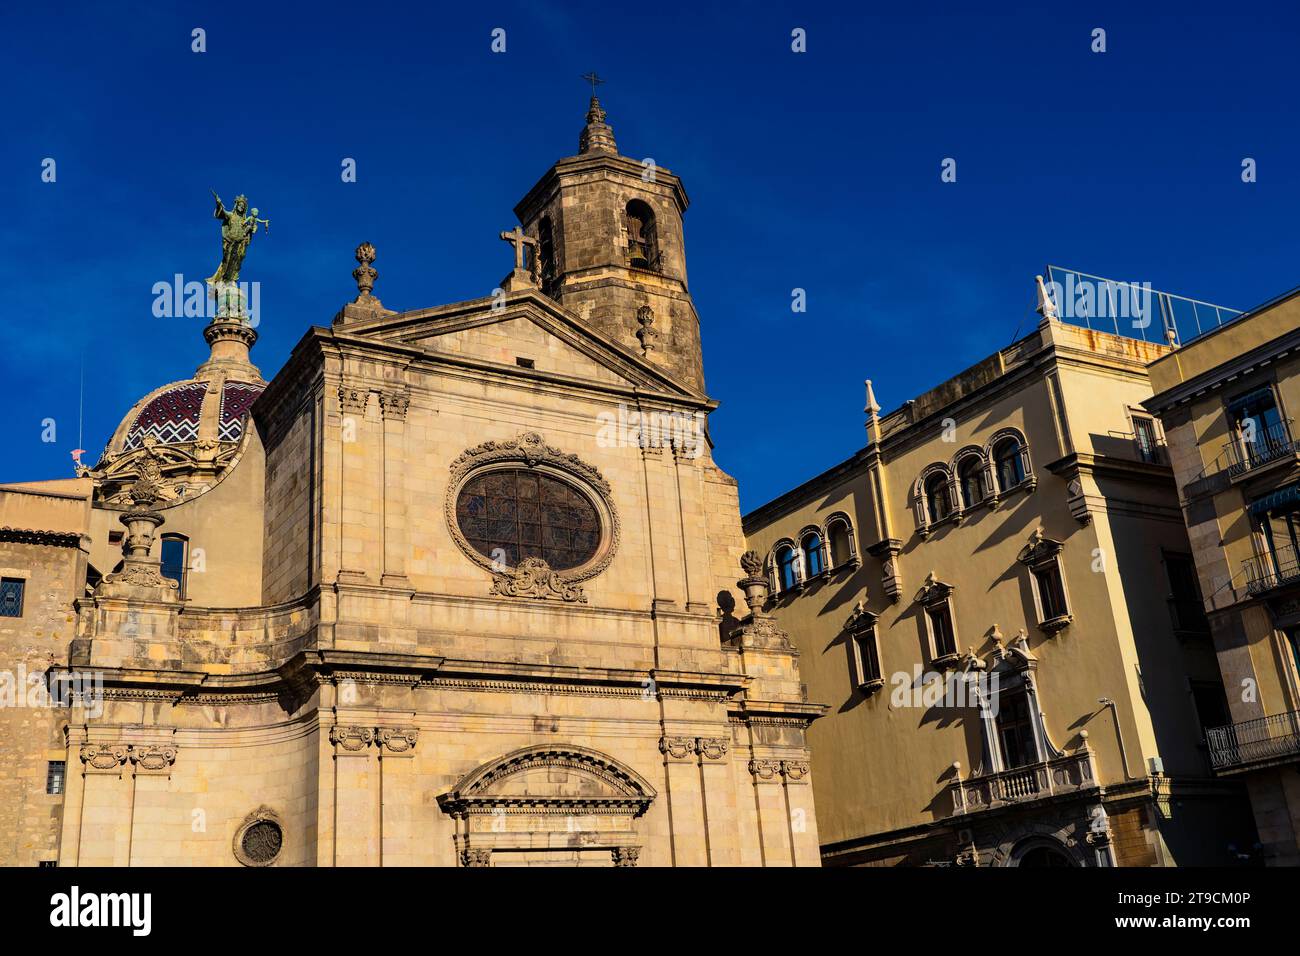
(610, 248)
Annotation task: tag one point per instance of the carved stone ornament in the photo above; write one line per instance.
(625, 855)
(751, 563)
(365, 274)
(676, 748)
(533, 577)
(476, 856)
(104, 758)
(397, 740)
(765, 770)
(353, 398)
(394, 405)
(351, 739)
(794, 769)
(531, 451)
(154, 758)
(712, 748)
(933, 590)
(259, 839)
(647, 333)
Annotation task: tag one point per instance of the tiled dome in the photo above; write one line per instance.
(174, 415)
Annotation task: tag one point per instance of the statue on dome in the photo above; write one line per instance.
(238, 226)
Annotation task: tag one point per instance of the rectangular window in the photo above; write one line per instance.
(1211, 704)
(1185, 606)
(866, 660)
(11, 597)
(1051, 595)
(1016, 730)
(1144, 432)
(941, 631)
(173, 560)
(54, 776)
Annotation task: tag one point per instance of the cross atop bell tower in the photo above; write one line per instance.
(609, 246)
(597, 136)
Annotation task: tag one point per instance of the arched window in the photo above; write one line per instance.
(546, 256)
(839, 539)
(970, 480)
(813, 555)
(175, 554)
(642, 240)
(787, 574)
(937, 505)
(1009, 462)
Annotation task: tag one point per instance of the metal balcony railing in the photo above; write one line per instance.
(1246, 452)
(1270, 571)
(1264, 740)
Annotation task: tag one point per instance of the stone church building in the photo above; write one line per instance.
(458, 586)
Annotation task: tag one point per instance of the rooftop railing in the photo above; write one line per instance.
(1132, 309)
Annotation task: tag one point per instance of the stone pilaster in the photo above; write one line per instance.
(356, 796)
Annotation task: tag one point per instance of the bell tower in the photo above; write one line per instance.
(610, 248)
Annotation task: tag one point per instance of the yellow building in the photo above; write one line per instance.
(1225, 399)
(994, 596)
(458, 586)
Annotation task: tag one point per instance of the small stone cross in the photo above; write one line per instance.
(519, 240)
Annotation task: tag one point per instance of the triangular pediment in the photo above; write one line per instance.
(526, 326)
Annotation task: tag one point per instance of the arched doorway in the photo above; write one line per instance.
(1041, 851)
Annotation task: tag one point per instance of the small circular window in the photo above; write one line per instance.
(513, 514)
(260, 843)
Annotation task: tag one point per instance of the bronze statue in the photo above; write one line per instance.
(237, 229)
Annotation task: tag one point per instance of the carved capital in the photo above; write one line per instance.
(153, 758)
(104, 758)
(794, 770)
(394, 405)
(397, 740)
(712, 748)
(351, 739)
(625, 855)
(765, 771)
(676, 748)
(476, 856)
(353, 398)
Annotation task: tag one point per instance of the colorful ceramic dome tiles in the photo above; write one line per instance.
(172, 417)
(236, 399)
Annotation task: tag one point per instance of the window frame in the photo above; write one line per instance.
(51, 776)
(840, 519)
(935, 597)
(1028, 480)
(816, 555)
(182, 588)
(21, 582)
(1043, 555)
(866, 671)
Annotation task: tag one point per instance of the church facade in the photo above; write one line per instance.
(459, 586)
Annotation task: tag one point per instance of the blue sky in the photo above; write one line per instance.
(818, 170)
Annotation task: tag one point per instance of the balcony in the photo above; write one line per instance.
(1271, 443)
(1269, 571)
(1253, 744)
(1071, 773)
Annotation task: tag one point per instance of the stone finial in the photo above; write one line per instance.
(1046, 307)
(365, 275)
(597, 136)
(645, 317)
(754, 583)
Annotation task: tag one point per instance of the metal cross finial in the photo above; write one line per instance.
(594, 80)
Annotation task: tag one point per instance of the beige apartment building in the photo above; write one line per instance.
(457, 587)
(995, 596)
(1225, 399)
